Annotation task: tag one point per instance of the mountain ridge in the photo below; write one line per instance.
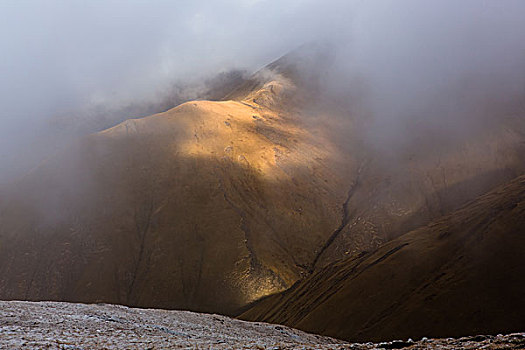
(211, 205)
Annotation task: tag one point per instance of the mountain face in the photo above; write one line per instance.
(462, 274)
(208, 206)
(211, 206)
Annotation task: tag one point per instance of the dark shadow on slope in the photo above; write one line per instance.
(459, 275)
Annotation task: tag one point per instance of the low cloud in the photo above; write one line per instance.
(427, 58)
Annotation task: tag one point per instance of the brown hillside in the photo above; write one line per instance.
(462, 274)
(207, 206)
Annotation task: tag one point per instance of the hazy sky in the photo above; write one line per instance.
(61, 55)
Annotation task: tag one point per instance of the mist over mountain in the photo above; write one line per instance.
(398, 59)
(291, 162)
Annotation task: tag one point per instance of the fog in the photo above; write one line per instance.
(64, 62)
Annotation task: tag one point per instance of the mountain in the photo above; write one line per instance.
(207, 206)
(213, 205)
(462, 274)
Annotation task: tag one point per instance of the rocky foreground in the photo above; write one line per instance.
(52, 325)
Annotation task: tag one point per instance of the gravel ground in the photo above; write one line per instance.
(52, 325)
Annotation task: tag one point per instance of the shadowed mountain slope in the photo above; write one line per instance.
(462, 274)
